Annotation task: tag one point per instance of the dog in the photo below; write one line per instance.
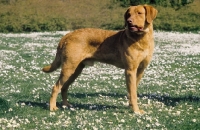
(130, 49)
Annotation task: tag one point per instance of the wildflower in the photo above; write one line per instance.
(27, 121)
(194, 120)
(52, 113)
(138, 120)
(178, 113)
(122, 120)
(115, 114)
(157, 124)
(63, 106)
(17, 104)
(147, 125)
(72, 109)
(149, 101)
(9, 125)
(23, 104)
(94, 128)
(10, 109)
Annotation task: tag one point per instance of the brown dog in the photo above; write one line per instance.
(130, 49)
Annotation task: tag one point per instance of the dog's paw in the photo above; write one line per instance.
(140, 112)
(66, 104)
(53, 108)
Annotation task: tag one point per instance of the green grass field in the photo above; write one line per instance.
(169, 91)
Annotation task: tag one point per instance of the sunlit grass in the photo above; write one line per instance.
(169, 91)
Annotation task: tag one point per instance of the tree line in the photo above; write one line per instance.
(165, 3)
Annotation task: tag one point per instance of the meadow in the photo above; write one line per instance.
(169, 91)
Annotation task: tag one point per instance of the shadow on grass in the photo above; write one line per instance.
(97, 107)
(4, 105)
(167, 100)
(34, 104)
(171, 101)
(85, 95)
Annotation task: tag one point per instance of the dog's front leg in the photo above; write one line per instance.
(132, 90)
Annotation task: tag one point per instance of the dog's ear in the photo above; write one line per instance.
(151, 13)
(126, 15)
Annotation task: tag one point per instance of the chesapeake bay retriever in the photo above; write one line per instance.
(130, 49)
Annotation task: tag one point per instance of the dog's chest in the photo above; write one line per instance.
(136, 52)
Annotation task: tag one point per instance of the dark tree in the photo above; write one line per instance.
(165, 3)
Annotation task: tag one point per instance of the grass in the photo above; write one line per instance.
(54, 15)
(31, 16)
(183, 19)
(169, 91)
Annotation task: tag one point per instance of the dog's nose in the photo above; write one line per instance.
(129, 21)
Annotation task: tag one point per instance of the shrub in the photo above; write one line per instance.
(37, 15)
(165, 3)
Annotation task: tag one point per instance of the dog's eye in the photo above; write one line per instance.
(139, 12)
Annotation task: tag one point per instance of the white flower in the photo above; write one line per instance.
(149, 101)
(10, 109)
(72, 109)
(178, 112)
(94, 128)
(157, 124)
(23, 104)
(9, 125)
(64, 106)
(147, 125)
(194, 120)
(115, 114)
(52, 113)
(27, 121)
(138, 120)
(122, 120)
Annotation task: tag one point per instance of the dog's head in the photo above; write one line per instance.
(138, 18)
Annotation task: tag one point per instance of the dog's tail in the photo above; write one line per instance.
(55, 64)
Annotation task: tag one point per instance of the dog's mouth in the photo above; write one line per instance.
(135, 28)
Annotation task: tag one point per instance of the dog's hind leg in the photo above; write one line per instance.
(70, 81)
(68, 69)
